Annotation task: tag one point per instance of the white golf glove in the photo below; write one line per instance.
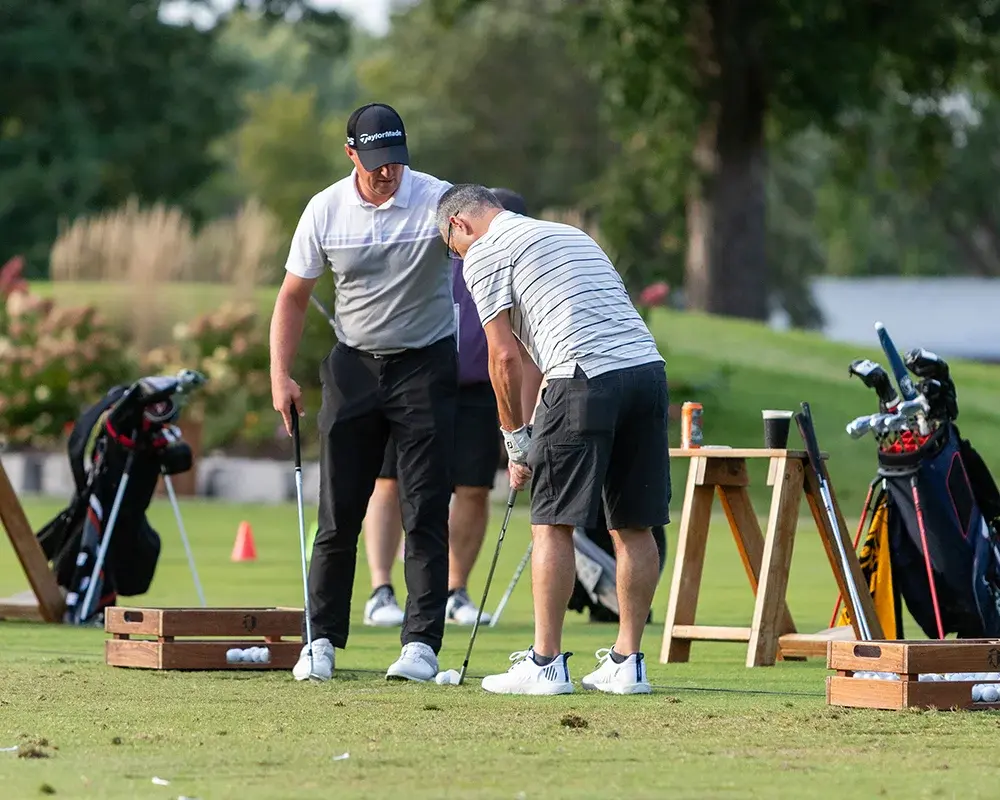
(517, 443)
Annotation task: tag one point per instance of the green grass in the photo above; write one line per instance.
(712, 728)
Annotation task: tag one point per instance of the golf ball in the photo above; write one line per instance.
(990, 693)
(265, 655)
(977, 693)
(447, 678)
(233, 655)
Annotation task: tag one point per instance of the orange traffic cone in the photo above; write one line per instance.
(243, 548)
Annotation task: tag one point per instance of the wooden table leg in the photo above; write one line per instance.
(688, 564)
(776, 562)
(750, 542)
(29, 552)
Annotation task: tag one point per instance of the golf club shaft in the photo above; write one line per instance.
(808, 432)
(322, 310)
(297, 444)
(184, 538)
(513, 582)
(489, 578)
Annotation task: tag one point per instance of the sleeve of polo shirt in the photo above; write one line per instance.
(488, 274)
(306, 257)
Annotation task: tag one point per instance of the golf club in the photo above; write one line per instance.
(489, 578)
(297, 444)
(808, 433)
(322, 310)
(171, 436)
(874, 376)
(510, 588)
(861, 426)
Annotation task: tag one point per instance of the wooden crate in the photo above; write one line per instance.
(209, 633)
(909, 660)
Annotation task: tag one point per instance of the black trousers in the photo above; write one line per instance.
(411, 396)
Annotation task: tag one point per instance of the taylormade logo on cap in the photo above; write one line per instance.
(365, 138)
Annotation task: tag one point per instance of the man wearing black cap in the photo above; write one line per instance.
(393, 371)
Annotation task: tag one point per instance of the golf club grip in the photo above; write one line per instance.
(804, 422)
(296, 439)
(899, 370)
(512, 497)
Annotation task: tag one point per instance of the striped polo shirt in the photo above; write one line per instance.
(391, 269)
(567, 303)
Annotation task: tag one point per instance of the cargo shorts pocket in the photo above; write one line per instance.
(591, 410)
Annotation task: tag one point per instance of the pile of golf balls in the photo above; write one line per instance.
(259, 655)
(981, 692)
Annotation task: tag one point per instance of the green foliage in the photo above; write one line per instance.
(49, 359)
(500, 98)
(101, 101)
(285, 151)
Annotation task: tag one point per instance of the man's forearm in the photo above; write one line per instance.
(505, 375)
(287, 324)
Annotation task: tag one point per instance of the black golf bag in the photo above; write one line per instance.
(118, 449)
(596, 589)
(943, 513)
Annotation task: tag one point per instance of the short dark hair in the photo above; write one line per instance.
(511, 200)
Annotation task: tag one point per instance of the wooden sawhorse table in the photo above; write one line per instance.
(766, 557)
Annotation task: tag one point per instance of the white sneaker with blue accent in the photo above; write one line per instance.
(462, 611)
(629, 677)
(417, 662)
(526, 676)
(382, 610)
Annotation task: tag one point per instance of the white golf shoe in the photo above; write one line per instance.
(417, 662)
(629, 677)
(321, 668)
(382, 610)
(462, 611)
(525, 676)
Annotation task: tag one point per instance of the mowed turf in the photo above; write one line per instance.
(712, 728)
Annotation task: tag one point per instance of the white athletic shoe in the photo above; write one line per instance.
(322, 662)
(382, 610)
(526, 677)
(417, 662)
(462, 611)
(629, 677)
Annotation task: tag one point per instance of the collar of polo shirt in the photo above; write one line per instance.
(401, 199)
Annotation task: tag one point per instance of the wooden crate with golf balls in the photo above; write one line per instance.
(203, 638)
(938, 674)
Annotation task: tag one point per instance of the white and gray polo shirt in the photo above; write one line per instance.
(391, 268)
(568, 304)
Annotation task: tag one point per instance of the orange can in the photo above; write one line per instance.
(691, 433)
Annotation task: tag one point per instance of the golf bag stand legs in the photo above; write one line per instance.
(84, 611)
(184, 538)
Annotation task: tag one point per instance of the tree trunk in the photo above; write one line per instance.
(726, 267)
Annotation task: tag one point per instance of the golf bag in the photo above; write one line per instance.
(943, 509)
(596, 588)
(118, 449)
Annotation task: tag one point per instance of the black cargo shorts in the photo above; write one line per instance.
(602, 439)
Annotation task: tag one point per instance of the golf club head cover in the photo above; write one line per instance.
(925, 364)
(941, 398)
(874, 376)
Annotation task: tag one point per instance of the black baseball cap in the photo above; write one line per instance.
(376, 131)
(511, 200)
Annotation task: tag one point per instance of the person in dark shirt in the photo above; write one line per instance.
(477, 457)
